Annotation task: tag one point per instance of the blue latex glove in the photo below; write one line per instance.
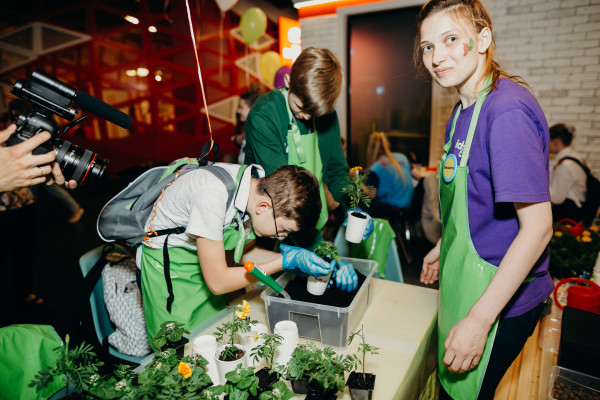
(296, 258)
(344, 276)
(368, 228)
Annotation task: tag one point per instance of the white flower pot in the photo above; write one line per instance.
(288, 330)
(317, 285)
(355, 227)
(224, 367)
(206, 346)
(247, 339)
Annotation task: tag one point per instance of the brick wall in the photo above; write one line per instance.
(553, 44)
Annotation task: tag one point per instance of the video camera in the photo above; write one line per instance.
(49, 96)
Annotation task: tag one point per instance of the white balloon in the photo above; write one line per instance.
(225, 5)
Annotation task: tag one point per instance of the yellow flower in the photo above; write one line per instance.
(586, 239)
(558, 234)
(578, 238)
(256, 336)
(356, 169)
(243, 310)
(185, 370)
(594, 228)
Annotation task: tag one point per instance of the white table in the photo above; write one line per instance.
(401, 320)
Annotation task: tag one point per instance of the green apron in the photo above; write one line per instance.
(195, 302)
(303, 151)
(464, 275)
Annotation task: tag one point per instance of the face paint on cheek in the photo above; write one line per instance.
(469, 47)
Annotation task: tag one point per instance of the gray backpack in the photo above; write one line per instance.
(125, 215)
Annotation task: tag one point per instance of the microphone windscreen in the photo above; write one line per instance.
(103, 110)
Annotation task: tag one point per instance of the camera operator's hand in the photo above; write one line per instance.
(20, 168)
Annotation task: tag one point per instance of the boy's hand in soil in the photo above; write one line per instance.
(345, 276)
(296, 258)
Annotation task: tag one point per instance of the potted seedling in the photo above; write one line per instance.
(78, 366)
(303, 358)
(267, 375)
(328, 252)
(170, 335)
(242, 383)
(326, 377)
(361, 384)
(354, 189)
(231, 354)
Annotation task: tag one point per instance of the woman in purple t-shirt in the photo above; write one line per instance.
(492, 259)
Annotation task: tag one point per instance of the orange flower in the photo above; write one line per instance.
(356, 169)
(586, 239)
(243, 310)
(185, 370)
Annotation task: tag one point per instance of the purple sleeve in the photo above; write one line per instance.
(519, 159)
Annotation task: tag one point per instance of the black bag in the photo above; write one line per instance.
(592, 193)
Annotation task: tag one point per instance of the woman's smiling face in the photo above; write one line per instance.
(449, 50)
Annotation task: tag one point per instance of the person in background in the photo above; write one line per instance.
(567, 178)
(389, 175)
(297, 125)
(492, 259)
(247, 99)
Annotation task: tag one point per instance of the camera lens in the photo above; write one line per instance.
(77, 163)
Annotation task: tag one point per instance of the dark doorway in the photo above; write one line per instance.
(385, 93)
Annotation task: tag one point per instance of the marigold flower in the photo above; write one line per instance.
(558, 234)
(185, 370)
(356, 169)
(243, 310)
(256, 336)
(594, 228)
(586, 239)
(586, 233)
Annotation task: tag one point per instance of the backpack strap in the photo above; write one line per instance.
(578, 162)
(232, 188)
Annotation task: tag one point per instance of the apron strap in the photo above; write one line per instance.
(167, 272)
(294, 129)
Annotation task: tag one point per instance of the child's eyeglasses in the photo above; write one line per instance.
(277, 234)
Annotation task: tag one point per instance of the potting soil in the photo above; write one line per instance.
(333, 296)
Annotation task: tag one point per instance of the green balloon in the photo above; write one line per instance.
(253, 24)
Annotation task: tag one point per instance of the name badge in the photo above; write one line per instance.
(449, 170)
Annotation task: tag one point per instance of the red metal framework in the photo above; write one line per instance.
(168, 123)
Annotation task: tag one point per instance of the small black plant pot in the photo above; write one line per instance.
(317, 392)
(266, 379)
(178, 346)
(300, 386)
(361, 389)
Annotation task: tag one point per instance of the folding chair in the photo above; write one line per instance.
(91, 264)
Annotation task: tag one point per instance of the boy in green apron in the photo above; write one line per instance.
(492, 259)
(297, 125)
(185, 275)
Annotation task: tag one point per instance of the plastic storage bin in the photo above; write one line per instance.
(327, 324)
(572, 382)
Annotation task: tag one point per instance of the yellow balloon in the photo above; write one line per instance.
(270, 62)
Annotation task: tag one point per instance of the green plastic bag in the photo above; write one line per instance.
(24, 351)
(376, 246)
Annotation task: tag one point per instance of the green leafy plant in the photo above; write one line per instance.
(573, 252)
(327, 249)
(166, 376)
(323, 366)
(169, 332)
(266, 349)
(279, 391)
(78, 365)
(242, 382)
(354, 188)
(363, 349)
(239, 323)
